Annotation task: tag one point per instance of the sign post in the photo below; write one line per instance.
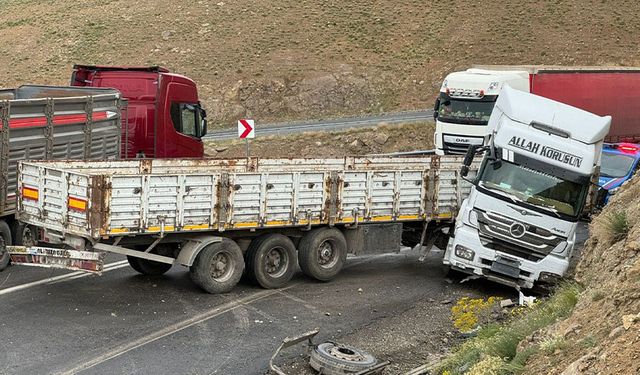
(246, 130)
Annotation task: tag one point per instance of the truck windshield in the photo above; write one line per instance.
(534, 188)
(615, 165)
(465, 111)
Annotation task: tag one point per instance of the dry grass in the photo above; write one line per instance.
(360, 141)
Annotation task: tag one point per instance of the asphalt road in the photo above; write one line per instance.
(125, 323)
(325, 125)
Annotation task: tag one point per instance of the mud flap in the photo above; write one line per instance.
(90, 261)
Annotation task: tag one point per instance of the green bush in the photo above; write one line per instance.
(617, 224)
(501, 341)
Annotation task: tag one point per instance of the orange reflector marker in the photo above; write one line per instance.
(30, 193)
(78, 204)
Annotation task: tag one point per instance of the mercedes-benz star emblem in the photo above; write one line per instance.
(517, 230)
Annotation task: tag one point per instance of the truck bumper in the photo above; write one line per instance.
(50, 257)
(501, 267)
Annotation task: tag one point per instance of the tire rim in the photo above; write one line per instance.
(327, 254)
(276, 261)
(346, 353)
(222, 267)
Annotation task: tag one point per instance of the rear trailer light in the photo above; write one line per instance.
(30, 193)
(77, 204)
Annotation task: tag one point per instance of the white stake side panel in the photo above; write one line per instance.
(146, 196)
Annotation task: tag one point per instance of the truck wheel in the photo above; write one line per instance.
(333, 359)
(148, 267)
(5, 240)
(270, 260)
(23, 234)
(322, 253)
(218, 267)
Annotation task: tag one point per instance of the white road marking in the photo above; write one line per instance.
(176, 327)
(108, 267)
(66, 276)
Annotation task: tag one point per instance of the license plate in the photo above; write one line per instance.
(506, 267)
(90, 261)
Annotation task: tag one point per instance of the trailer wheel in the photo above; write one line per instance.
(218, 267)
(24, 234)
(322, 253)
(148, 267)
(5, 240)
(270, 260)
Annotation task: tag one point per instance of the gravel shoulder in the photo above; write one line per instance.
(420, 334)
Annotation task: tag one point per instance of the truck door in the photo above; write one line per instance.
(183, 125)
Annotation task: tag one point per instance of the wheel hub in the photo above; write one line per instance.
(326, 254)
(346, 354)
(275, 261)
(220, 266)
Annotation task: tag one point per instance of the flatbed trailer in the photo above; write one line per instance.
(217, 215)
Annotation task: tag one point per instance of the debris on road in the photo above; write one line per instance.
(330, 358)
(525, 300)
(506, 303)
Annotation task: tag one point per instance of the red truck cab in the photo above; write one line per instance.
(164, 116)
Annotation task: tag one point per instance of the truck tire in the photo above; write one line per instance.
(148, 267)
(218, 267)
(322, 253)
(336, 359)
(270, 260)
(5, 240)
(23, 234)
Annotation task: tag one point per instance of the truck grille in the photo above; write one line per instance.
(455, 148)
(529, 242)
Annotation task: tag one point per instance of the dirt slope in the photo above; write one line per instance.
(602, 336)
(276, 60)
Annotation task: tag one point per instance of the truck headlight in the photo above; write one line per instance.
(464, 252)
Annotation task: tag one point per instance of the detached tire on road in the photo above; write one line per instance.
(337, 359)
(5, 240)
(270, 260)
(218, 267)
(322, 253)
(148, 267)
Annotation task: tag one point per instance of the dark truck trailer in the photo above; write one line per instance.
(49, 122)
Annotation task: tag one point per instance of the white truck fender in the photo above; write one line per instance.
(193, 247)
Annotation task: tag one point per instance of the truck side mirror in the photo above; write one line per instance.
(203, 122)
(436, 108)
(468, 159)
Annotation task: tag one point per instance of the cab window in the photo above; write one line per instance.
(185, 118)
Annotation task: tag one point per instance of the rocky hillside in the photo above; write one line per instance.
(285, 59)
(602, 336)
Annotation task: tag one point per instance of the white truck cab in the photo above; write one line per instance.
(518, 224)
(464, 105)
